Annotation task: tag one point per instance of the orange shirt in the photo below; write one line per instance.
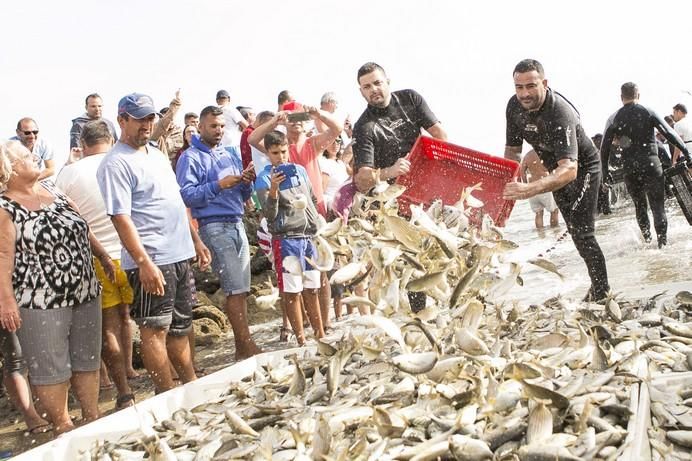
(307, 158)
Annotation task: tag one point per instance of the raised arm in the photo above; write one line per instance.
(322, 140)
(256, 138)
(162, 125)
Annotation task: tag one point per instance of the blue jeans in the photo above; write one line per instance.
(230, 252)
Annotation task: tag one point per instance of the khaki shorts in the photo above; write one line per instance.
(117, 293)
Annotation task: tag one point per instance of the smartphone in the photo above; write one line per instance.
(290, 173)
(298, 117)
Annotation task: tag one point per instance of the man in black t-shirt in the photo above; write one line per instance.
(385, 133)
(546, 120)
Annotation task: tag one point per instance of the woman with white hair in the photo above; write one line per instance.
(49, 293)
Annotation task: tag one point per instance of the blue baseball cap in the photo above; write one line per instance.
(137, 105)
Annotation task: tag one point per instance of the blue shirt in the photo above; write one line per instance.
(142, 185)
(42, 151)
(198, 171)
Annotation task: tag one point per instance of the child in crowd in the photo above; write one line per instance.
(287, 201)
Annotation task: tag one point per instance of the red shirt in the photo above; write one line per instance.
(245, 151)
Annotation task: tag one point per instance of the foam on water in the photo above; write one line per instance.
(635, 268)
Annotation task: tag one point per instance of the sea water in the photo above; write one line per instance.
(635, 269)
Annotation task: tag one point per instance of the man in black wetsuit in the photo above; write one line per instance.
(633, 127)
(385, 133)
(546, 120)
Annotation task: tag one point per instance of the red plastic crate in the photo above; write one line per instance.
(440, 170)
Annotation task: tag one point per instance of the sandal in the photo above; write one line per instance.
(124, 401)
(283, 334)
(40, 429)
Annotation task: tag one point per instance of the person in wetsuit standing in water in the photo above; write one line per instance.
(551, 125)
(633, 127)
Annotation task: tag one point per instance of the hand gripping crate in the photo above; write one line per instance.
(441, 170)
(680, 179)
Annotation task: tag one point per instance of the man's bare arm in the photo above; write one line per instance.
(513, 153)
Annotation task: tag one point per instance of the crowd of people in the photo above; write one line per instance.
(76, 266)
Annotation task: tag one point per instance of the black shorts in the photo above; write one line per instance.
(173, 310)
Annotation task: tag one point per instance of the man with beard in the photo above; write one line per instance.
(215, 186)
(634, 128)
(385, 133)
(551, 125)
(143, 200)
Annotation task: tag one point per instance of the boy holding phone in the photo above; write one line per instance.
(287, 201)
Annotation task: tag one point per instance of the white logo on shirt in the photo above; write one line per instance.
(568, 132)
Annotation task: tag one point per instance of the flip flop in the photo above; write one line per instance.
(40, 429)
(124, 401)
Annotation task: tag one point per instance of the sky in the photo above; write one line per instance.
(458, 55)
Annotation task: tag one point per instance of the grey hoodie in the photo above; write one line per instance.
(284, 219)
(78, 125)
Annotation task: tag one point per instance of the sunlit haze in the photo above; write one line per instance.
(458, 55)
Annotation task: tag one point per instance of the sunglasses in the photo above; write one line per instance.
(27, 133)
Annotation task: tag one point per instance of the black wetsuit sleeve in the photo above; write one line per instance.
(605, 149)
(514, 135)
(671, 135)
(564, 134)
(363, 146)
(425, 116)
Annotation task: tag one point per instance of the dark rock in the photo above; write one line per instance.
(206, 281)
(213, 313)
(260, 263)
(206, 331)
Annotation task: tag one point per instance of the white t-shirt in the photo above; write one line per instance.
(259, 160)
(684, 129)
(78, 181)
(231, 133)
(336, 169)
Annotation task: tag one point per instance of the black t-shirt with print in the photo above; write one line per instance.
(383, 135)
(554, 131)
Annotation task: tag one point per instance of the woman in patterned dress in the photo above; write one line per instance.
(49, 293)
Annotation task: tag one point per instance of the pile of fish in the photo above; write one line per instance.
(467, 378)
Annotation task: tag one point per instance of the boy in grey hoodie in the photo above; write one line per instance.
(288, 203)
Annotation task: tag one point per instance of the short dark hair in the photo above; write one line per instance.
(284, 97)
(368, 68)
(669, 120)
(681, 108)
(92, 95)
(214, 111)
(527, 65)
(263, 117)
(244, 111)
(191, 115)
(629, 90)
(274, 138)
(95, 132)
(164, 110)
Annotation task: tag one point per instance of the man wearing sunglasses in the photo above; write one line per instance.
(27, 134)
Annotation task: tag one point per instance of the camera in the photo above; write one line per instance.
(298, 117)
